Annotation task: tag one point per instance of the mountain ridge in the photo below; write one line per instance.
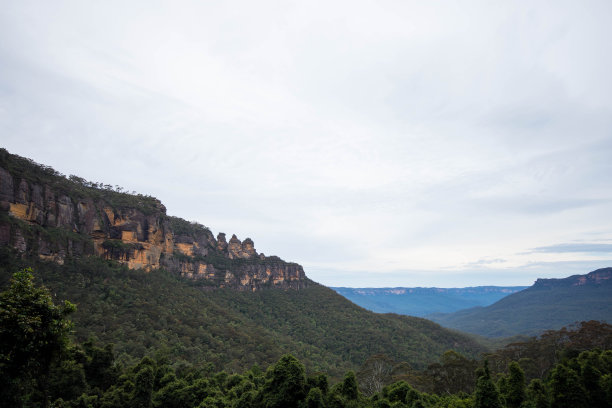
(548, 304)
(422, 301)
(595, 277)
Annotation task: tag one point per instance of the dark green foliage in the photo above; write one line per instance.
(319, 381)
(514, 392)
(285, 384)
(99, 365)
(455, 373)
(180, 226)
(175, 394)
(606, 385)
(315, 398)
(537, 395)
(345, 332)
(567, 391)
(538, 355)
(590, 364)
(381, 404)
(67, 378)
(33, 335)
(143, 388)
(140, 312)
(486, 394)
(161, 382)
(349, 388)
(31, 170)
(398, 392)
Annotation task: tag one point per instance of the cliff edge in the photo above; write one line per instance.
(45, 214)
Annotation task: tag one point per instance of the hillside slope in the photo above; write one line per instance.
(151, 283)
(424, 301)
(547, 305)
(146, 312)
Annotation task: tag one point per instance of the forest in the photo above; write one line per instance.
(41, 364)
(143, 312)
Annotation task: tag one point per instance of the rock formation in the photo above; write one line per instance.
(44, 214)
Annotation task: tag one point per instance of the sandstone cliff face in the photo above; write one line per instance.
(596, 278)
(52, 223)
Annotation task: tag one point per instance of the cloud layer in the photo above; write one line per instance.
(433, 143)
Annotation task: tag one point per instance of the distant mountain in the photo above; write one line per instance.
(548, 304)
(424, 301)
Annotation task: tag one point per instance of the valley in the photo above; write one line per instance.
(425, 301)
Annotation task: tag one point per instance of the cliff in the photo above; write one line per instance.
(44, 214)
(596, 278)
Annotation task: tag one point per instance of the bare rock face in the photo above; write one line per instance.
(234, 247)
(248, 248)
(221, 242)
(6, 186)
(130, 235)
(20, 243)
(241, 250)
(21, 195)
(257, 276)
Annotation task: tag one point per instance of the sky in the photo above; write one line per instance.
(377, 143)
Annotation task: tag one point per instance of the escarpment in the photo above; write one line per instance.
(45, 214)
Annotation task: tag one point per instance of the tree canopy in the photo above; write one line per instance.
(33, 335)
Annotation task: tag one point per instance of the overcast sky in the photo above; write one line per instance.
(377, 143)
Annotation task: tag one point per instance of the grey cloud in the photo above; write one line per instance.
(575, 248)
(536, 205)
(485, 262)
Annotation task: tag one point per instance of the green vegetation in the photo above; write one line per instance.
(180, 226)
(48, 369)
(318, 316)
(33, 337)
(140, 312)
(547, 305)
(76, 188)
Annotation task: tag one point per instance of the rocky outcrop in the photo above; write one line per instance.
(241, 250)
(58, 218)
(596, 278)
